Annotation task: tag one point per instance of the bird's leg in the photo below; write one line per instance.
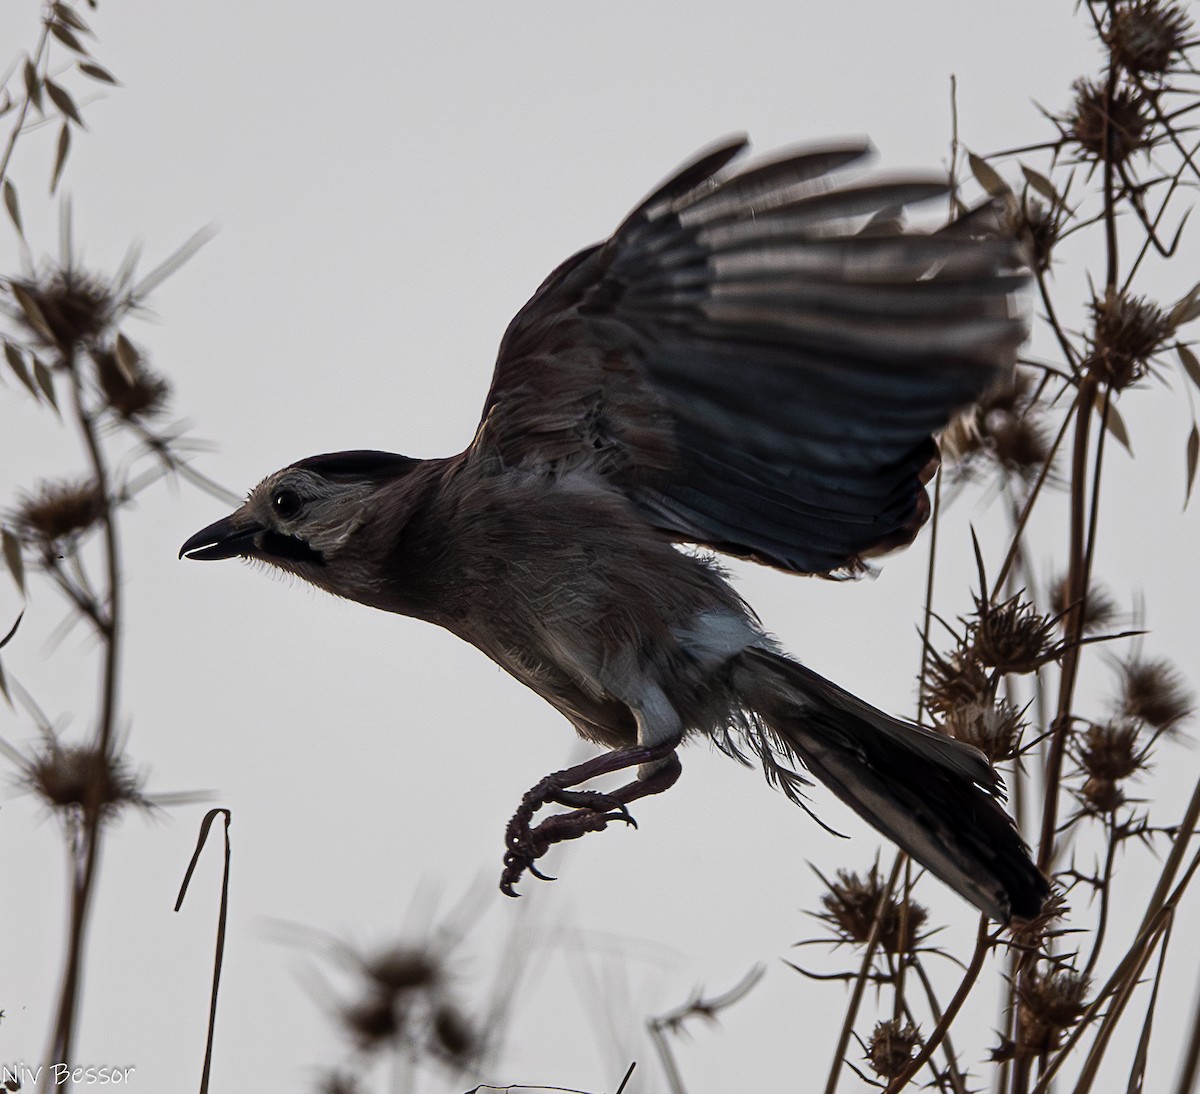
(591, 810)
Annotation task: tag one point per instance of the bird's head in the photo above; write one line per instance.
(303, 519)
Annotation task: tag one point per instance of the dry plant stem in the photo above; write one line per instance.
(1077, 579)
(85, 846)
(951, 1012)
(860, 983)
(23, 113)
(956, 1077)
(667, 1057)
(1034, 493)
(1190, 1068)
(1119, 986)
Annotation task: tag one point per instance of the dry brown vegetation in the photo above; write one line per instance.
(1116, 168)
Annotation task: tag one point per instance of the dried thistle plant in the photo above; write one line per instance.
(852, 903)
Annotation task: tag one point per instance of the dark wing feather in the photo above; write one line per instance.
(759, 360)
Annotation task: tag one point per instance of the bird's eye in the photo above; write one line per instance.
(287, 503)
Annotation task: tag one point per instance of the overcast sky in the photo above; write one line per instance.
(389, 183)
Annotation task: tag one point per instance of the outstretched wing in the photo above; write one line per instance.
(759, 359)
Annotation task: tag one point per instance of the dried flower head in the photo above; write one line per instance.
(1051, 1002)
(1099, 608)
(955, 680)
(64, 308)
(1106, 134)
(83, 781)
(852, 904)
(132, 390)
(1108, 753)
(403, 968)
(891, 1047)
(1147, 36)
(1011, 637)
(1153, 691)
(1006, 428)
(1126, 332)
(993, 728)
(56, 514)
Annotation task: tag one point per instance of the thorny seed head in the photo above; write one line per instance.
(1108, 753)
(1147, 36)
(1006, 429)
(63, 308)
(135, 392)
(1126, 332)
(1099, 608)
(1010, 637)
(83, 781)
(1153, 691)
(993, 728)
(1051, 1002)
(852, 903)
(891, 1047)
(56, 514)
(955, 680)
(1106, 135)
(337, 1082)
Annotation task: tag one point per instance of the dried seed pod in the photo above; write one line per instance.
(1108, 753)
(64, 308)
(891, 1047)
(853, 902)
(56, 514)
(1147, 36)
(1099, 608)
(452, 1033)
(1051, 1003)
(956, 680)
(1012, 636)
(83, 780)
(404, 968)
(1106, 134)
(371, 1020)
(1153, 691)
(130, 392)
(993, 728)
(1126, 332)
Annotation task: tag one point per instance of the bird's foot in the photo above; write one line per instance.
(591, 810)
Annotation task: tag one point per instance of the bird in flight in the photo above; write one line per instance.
(755, 363)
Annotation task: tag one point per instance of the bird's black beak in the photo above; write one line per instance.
(227, 538)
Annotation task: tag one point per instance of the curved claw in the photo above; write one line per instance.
(538, 874)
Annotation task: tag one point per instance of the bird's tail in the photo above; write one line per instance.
(935, 797)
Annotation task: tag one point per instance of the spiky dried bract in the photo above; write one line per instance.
(852, 904)
(993, 728)
(64, 308)
(1005, 429)
(135, 392)
(1153, 691)
(1106, 134)
(83, 781)
(1126, 332)
(55, 514)
(1012, 636)
(1052, 1002)
(1099, 608)
(1108, 753)
(1147, 36)
(956, 680)
(891, 1047)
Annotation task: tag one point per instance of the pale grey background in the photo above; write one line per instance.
(390, 183)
